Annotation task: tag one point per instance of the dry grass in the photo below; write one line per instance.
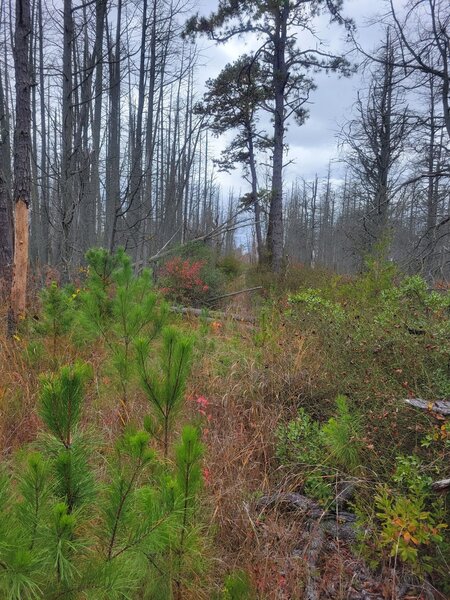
(247, 397)
(251, 384)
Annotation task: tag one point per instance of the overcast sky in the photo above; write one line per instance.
(314, 144)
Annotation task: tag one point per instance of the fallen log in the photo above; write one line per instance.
(212, 315)
(230, 294)
(440, 407)
(441, 486)
(290, 501)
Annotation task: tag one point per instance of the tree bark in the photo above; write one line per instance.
(275, 233)
(6, 212)
(22, 150)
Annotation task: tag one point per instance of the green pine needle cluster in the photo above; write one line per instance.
(164, 385)
(119, 307)
(77, 521)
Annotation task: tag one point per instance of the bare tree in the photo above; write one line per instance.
(376, 139)
(22, 155)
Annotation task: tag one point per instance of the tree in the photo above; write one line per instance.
(277, 24)
(424, 38)
(376, 140)
(6, 212)
(232, 103)
(22, 152)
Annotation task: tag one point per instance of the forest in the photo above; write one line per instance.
(224, 344)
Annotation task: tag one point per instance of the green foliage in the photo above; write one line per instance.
(407, 523)
(230, 266)
(408, 520)
(406, 528)
(186, 547)
(321, 452)
(313, 302)
(164, 386)
(342, 436)
(379, 274)
(33, 353)
(381, 338)
(119, 307)
(57, 313)
(136, 523)
(238, 587)
(61, 399)
(300, 446)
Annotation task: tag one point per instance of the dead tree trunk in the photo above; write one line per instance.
(6, 213)
(22, 150)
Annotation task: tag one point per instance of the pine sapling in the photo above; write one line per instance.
(61, 401)
(189, 453)
(134, 457)
(342, 435)
(57, 314)
(165, 387)
(118, 307)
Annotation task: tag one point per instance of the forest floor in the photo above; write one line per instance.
(250, 385)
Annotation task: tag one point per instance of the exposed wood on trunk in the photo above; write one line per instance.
(20, 269)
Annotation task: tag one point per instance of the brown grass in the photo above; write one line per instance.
(247, 399)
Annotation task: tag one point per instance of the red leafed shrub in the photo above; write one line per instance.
(183, 281)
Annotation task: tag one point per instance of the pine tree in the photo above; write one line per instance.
(118, 307)
(188, 482)
(57, 314)
(99, 525)
(165, 386)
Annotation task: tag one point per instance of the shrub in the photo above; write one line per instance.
(321, 453)
(182, 281)
(407, 523)
(313, 302)
(191, 275)
(230, 266)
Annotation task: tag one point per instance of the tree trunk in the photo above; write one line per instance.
(275, 231)
(6, 212)
(22, 149)
(256, 206)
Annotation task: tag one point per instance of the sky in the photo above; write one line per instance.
(313, 145)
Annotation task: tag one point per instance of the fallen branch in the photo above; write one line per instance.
(297, 502)
(441, 486)
(258, 287)
(441, 407)
(226, 226)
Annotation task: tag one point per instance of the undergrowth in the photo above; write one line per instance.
(179, 425)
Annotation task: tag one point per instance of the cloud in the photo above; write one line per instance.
(314, 144)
